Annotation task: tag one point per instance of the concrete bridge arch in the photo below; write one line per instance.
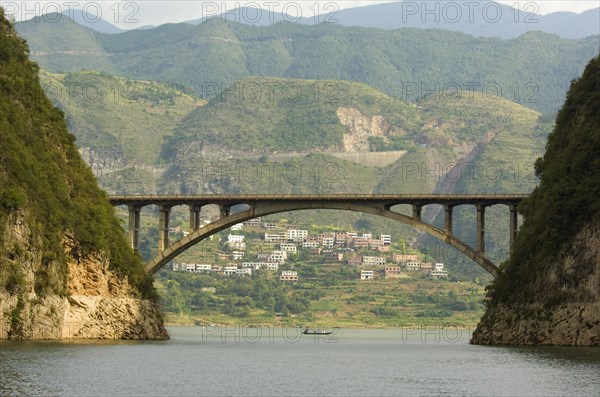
(260, 209)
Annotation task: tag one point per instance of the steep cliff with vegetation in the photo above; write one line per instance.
(549, 291)
(65, 268)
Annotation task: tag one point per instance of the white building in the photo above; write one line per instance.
(310, 244)
(439, 267)
(278, 256)
(239, 226)
(229, 270)
(236, 255)
(254, 222)
(328, 242)
(297, 235)
(234, 238)
(190, 267)
(438, 274)
(290, 248)
(203, 268)
(288, 275)
(366, 274)
(243, 272)
(274, 237)
(386, 238)
(367, 235)
(373, 261)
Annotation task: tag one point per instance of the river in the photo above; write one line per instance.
(248, 361)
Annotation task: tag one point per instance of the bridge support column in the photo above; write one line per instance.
(417, 211)
(195, 217)
(480, 228)
(448, 208)
(225, 210)
(163, 227)
(134, 227)
(513, 225)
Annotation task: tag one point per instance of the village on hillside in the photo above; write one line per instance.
(281, 244)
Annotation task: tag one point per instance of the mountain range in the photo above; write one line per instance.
(487, 19)
(534, 69)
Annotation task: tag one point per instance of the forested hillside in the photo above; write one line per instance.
(533, 69)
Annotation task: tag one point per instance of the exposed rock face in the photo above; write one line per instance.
(98, 306)
(564, 325)
(361, 128)
(542, 323)
(98, 303)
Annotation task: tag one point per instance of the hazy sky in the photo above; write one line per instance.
(130, 14)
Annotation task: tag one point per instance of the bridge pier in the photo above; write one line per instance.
(225, 210)
(134, 227)
(417, 211)
(448, 219)
(163, 227)
(513, 225)
(480, 228)
(195, 217)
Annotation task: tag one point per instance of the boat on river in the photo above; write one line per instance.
(308, 331)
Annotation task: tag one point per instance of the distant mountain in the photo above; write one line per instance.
(534, 69)
(94, 22)
(481, 19)
(488, 19)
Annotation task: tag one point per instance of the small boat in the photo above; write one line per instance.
(308, 331)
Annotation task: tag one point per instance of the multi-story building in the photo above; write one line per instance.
(314, 252)
(237, 255)
(234, 238)
(386, 238)
(237, 227)
(373, 261)
(297, 235)
(254, 222)
(203, 268)
(288, 275)
(398, 258)
(278, 256)
(310, 244)
(243, 272)
(412, 265)
(367, 274)
(290, 248)
(230, 270)
(333, 257)
(393, 272)
(328, 242)
(438, 274)
(274, 237)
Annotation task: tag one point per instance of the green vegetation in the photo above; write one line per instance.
(44, 181)
(119, 119)
(404, 63)
(188, 298)
(564, 203)
(286, 115)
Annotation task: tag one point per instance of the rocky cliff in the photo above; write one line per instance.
(65, 268)
(549, 291)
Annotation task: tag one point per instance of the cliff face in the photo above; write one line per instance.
(570, 322)
(65, 268)
(549, 290)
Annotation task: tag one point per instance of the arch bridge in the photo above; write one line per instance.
(267, 204)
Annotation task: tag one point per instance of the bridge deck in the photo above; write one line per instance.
(387, 198)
